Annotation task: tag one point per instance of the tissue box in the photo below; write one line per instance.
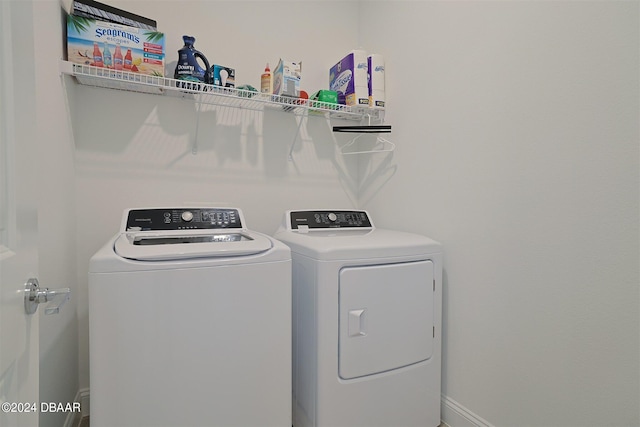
(226, 79)
(286, 78)
(349, 78)
(92, 42)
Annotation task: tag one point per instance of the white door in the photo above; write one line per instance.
(18, 217)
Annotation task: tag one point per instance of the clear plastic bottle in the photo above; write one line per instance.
(107, 56)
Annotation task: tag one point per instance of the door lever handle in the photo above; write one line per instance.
(34, 295)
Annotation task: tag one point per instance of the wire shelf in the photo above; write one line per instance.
(211, 95)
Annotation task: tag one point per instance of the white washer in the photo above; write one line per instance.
(190, 322)
(367, 309)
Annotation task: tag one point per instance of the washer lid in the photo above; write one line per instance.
(154, 234)
(186, 244)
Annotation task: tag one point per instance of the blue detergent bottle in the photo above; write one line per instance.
(188, 68)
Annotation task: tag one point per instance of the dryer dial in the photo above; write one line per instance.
(187, 216)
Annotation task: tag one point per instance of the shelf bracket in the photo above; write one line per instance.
(305, 114)
(194, 148)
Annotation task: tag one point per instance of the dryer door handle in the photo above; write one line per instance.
(357, 323)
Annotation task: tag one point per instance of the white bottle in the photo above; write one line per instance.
(265, 80)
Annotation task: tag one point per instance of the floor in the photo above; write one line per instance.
(84, 422)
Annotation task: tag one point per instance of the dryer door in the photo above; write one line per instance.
(386, 317)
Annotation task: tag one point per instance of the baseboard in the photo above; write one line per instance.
(453, 413)
(456, 415)
(73, 418)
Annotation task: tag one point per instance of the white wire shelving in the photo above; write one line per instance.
(212, 95)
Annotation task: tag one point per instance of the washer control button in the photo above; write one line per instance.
(332, 217)
(187, 216)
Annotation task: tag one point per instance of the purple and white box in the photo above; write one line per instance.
(349, 78)
(376, 80)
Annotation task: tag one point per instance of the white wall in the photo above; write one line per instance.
(517, 132)
(134, 150)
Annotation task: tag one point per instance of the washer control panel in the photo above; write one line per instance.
(330, 219)
(182, 219)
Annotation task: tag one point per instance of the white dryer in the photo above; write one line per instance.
(190, 322)
(366, 322)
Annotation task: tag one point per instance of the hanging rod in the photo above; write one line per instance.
(363, 129)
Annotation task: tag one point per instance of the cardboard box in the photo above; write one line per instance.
(286, 78)
(103, 12)
(92, 42)
(349, 77)
(323, 95)
(228, 76)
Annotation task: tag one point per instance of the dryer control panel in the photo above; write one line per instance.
(330, 219)
(182, 219)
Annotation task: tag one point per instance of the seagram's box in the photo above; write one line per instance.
(96, 43)
(103, 12)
